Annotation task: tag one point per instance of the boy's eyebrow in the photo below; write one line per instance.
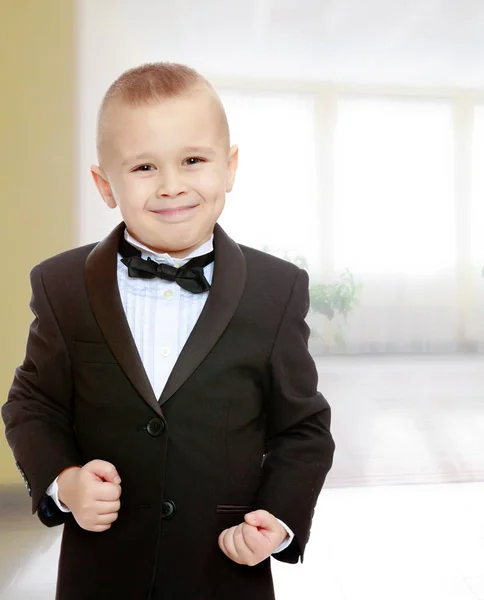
(201, 149)
(132, 159)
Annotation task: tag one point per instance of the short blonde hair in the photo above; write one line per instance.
(154, 82)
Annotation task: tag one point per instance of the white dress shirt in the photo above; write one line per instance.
(161, 316)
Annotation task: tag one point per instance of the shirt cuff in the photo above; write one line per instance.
(53, 492)
(287, 541)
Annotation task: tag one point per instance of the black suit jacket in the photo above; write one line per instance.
(239, 425)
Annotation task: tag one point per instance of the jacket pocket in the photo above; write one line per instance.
(232, 509)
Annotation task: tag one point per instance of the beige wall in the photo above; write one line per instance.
(37, 173)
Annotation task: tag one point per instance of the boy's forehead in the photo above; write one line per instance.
(191, 119)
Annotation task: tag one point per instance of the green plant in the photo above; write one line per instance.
(328, 299)
(333, 300)
(340, 297)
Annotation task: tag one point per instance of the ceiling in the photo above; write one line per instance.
(411, 42)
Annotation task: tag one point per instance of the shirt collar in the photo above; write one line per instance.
(205, 248)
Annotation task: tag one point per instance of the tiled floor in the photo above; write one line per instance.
(405, 419)
(396, 420)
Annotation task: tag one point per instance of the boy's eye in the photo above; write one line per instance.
(193, 160)
(144, 168)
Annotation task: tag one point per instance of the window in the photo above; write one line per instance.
(394, 185)
(275, 197)
(477, 224)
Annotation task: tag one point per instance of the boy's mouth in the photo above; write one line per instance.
(175, 212)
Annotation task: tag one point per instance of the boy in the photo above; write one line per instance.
(166, 411)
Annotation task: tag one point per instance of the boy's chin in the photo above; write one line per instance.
(177, 238)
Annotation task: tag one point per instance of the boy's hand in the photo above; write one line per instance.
(254, 540)
(92, 494)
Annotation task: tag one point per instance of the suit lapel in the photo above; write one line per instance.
(228, 285)
(103, 292)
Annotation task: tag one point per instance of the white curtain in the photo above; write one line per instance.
(475, 320)
(394, 209)
(395, 221)
(274, 200)
(477, 240)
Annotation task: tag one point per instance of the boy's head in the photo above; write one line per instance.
(164, 155)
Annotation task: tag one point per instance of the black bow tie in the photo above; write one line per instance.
(190, 276)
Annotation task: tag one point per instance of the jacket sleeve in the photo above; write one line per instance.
(38, 414)
(299, 445)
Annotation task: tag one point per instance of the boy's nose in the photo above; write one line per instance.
(171, 184)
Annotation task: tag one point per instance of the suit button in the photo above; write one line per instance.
(155, 426)
(168, 509)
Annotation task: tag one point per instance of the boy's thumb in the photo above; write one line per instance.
(259, 518)
(104, 470)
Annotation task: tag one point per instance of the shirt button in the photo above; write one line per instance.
(168, 294)
(165, 351)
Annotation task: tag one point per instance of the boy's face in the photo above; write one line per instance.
(168, 167)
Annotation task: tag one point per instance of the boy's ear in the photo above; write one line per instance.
(103, 186)
(232, 163)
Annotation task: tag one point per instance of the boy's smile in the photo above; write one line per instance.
(168, 166)
(176, 214)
